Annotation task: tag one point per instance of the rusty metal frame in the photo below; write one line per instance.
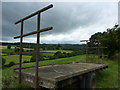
(98, 47)
(37, 13)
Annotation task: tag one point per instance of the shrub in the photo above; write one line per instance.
(6, 82)
(59, 54)
(33, 58)
(9, 47)
(52, 57)
(17, 50)
(115, 57)
(11, 64)
(26, 62)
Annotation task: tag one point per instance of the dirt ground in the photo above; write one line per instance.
(3, 47)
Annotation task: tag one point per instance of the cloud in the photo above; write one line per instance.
(71, 21)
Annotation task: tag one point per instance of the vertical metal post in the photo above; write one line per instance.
(98, 51)
(21, 47)
(86, 50)
(37, 51)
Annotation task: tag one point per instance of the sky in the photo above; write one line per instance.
(71, 21)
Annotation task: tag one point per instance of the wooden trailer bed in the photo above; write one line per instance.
(53, 75)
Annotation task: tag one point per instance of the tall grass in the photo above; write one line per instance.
(109, 77)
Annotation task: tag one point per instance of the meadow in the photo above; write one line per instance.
(7, 50)
(53, 51)
(103, 77)
(15, 58)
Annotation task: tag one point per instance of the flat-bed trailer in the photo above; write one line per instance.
(61, 75)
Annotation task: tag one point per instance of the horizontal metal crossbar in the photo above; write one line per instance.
(96, 47)
(35, 13)
(84, 40)
(102, 55)
(92, 40)
(96, 55)
(24, 52)
(42, 30)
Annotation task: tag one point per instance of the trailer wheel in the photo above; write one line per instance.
(90, 81)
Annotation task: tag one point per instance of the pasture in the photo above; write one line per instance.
(53, 51)
(103, 77)
(15, 58)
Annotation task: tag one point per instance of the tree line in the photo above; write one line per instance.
(112, 43)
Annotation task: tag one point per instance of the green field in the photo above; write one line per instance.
(108, 78)
(7, 50)
(8, 71)
(53, 51)
(15, 58)
(103, 77)
(3, 54)
(47, 54)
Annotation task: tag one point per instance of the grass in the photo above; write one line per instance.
(15, 58)
(8, 71)
(47, 54)
(107, 78)
(53, 51)
(0, 79)
(7, 50)
(3, 54)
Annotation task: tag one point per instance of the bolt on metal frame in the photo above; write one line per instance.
(37, 13)
(98, 47)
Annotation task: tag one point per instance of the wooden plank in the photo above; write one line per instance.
(35, 13)
(31, 33)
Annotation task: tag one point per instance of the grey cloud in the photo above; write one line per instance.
(64, 17)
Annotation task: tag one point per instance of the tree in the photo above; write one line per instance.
(33, 58)
(9, 47)
(58, 54)
(11, 64)
(113, 40)
(18, 50)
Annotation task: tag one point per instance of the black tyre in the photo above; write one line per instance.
(90, 81)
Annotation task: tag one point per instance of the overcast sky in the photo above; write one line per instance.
(72, 22)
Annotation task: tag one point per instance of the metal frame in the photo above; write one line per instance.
(58, 82)
(37, 13)
(98, 47)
